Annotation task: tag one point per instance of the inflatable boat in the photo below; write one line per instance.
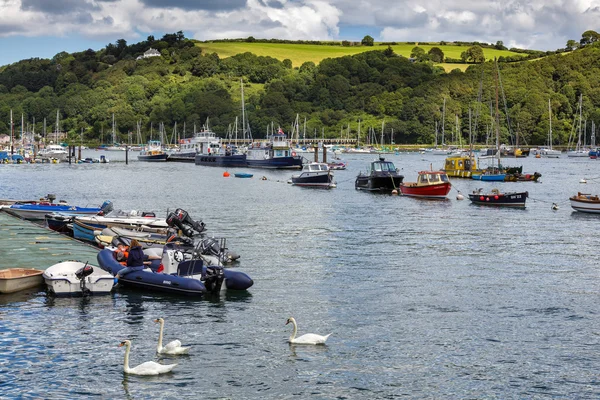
(175, 274)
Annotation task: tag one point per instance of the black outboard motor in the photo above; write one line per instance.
(81, 274)
(213, 279)
(106, 207)
(181, 220)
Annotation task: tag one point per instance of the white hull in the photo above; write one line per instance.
(586, 206)
(60, 279)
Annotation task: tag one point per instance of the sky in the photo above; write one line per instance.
(43, 28)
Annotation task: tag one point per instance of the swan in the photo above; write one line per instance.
(308, 338)
(147, 368)
(173, 347)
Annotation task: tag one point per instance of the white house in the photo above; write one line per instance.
(149, 53)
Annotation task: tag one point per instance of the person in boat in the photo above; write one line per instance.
(136, 259)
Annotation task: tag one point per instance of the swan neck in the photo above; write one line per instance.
(160, 336)
(294, 331)
(126, 362)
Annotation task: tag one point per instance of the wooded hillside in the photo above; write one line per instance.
(184, 85)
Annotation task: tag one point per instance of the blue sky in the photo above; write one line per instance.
(42, 28)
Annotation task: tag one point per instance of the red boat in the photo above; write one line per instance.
(429, 184)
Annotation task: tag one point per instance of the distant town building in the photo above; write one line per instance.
(149, 53)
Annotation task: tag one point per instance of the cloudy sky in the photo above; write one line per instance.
(42, 28)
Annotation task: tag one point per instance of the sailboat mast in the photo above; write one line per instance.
(550, 130)
(243, 110)
(443, 119)
(12, 133)
(497, 120)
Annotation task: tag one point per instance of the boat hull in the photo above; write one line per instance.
(152, 157)
(489, 178)
(15, 279)
(436, 191)
(313, 179)
(499, 199)
(182, 157)
(293, 162)
(236, 160)
(585, 203)
(378, 183)
(37, 212)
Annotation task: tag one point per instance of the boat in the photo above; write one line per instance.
(243, 175)
(586, 203)
(177, 275)
(520, 177)
(460, 166)
(53, 152)
(496, 198)
(580, 149)
(274, 153)
(153, 152)
(549, 152)
(314, 174)
(15, 279)
(77, 278)
(381, 176)
(429, 184)
(38, 210)
(59, 222)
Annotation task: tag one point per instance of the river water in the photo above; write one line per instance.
(425, 299)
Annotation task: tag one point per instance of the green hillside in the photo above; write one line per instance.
(300, 53)
(183, 86)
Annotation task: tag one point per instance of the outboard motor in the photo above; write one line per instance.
(213, 278)
(180, 219)
(81, 274)
(106, 207)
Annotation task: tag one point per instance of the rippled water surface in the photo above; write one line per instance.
(425, 299)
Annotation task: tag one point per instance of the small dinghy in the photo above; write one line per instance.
(243, 175)
(15, 279)
(77, 278)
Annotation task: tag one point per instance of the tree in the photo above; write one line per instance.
(473, 54)
(589, 37)
(436, 54)
(571, 45)
(367, 41)
(499, 45)
(417, 53)
(389, 52)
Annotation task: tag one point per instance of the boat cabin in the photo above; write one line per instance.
(315, 167)
(431, 177)
(460, 166)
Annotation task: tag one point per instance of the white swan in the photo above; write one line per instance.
(308, 338)
(173, 347)
(147, 368)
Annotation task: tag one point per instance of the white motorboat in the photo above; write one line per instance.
(53, 151)
(77, 278)
(586, 203)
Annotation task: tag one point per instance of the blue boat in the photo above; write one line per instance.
(37, 211)
(153, 152)
(489, 177)
(191, 277)
(243, 175)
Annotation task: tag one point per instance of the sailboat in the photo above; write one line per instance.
(444, 150)
(580, 151)
(493, 173)
(550, 152)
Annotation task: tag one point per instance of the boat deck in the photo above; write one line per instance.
(26, 245)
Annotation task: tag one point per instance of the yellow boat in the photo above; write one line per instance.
(460, 166)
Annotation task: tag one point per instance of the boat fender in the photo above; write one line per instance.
(293, 154)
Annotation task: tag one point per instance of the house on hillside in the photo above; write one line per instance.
(149, 53)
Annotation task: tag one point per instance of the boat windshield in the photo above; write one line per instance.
(384, 167)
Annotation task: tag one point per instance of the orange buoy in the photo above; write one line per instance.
(226, 174)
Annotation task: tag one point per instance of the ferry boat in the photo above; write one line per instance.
(274, 153)
(205, 148)
(153, 152)
(429, 184)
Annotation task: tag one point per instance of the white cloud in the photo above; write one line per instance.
(526, 23)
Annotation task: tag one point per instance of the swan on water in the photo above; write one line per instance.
(173, 347)
(147, 368)
(308, 338)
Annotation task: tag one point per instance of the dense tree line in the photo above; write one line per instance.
(377, 88)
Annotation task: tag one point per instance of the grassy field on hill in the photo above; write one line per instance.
(300, 53)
